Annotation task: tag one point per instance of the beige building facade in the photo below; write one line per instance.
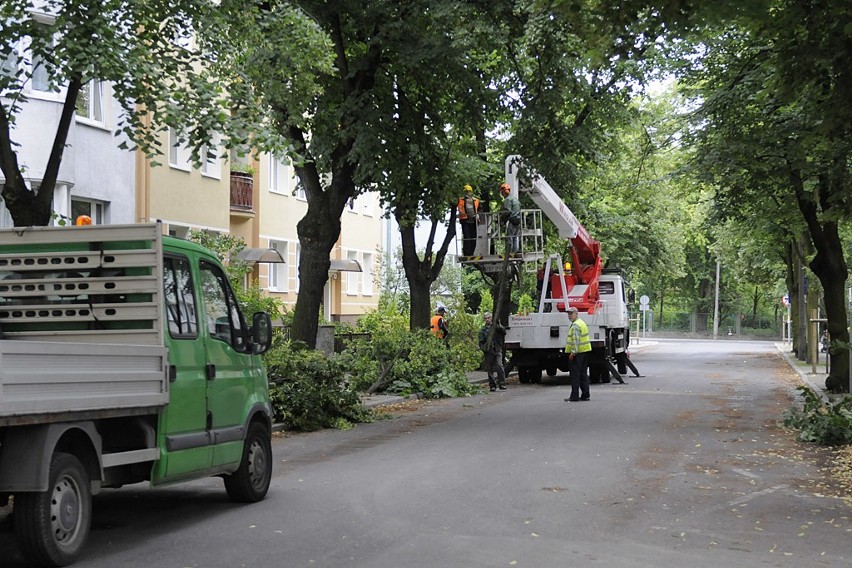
(263, 207)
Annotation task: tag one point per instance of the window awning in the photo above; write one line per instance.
(260, 255)
(345, 265)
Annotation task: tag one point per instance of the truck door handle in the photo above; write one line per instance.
(172, 373)
(211, 371)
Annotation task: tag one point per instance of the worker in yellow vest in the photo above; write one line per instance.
(578, 348)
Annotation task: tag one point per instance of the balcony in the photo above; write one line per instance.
(242, 187)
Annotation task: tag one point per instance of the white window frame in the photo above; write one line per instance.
(211, 162)
(179, 155)
(278, 173)
(367, 274)
(367, 204)
(279, 272)
(352, 278)
(299, 190)
(95, 111)
(97, 210)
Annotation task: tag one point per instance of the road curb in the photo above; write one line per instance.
(814, 381)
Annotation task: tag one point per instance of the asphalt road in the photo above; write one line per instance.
(685, 466)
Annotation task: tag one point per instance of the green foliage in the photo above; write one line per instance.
(525, 304)
(307, 390)
(406, 362)
(251, 298)
(487, 303)
(829, 424)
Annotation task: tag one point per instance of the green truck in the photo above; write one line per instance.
(124, 357)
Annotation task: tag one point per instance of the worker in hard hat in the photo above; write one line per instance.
(468, 210)
(438, 325)
(510, 214)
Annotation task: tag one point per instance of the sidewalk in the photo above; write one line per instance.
(815, 381)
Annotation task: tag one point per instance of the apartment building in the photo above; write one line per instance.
(115, 186)
(352, 288)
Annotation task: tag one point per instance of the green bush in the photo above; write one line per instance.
(307, 389)
(829, 424)
(407, 362)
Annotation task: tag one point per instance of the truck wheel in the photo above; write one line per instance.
(250, 482)
(524, 374)
(52, 526)
(535, 375)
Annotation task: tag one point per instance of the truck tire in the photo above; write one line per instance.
(250, 482)
(52, 526)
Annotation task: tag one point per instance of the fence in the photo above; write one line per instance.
(702, 324)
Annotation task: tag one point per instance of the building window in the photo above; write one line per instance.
(367, 275)
(40, 79)
(178, 152)
(352, 277)
(299, 190)
(279, 273)
(90, 103)
(298, 262)
(5, 217)
(367, 204)
(211, 165)
(279, 172)
(88, 207)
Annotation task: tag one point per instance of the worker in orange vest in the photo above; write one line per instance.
(438, 326)
(468, 210)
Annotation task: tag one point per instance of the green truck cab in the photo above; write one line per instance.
(124, 357)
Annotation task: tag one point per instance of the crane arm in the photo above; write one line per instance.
(586, 251)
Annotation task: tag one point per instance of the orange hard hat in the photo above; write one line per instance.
(83, 220)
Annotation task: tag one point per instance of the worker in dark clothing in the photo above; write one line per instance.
(493, 353)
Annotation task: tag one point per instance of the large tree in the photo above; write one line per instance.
(157, 58)
(775, 121)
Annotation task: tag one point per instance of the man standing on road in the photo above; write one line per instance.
(493, 352)
(578, 347)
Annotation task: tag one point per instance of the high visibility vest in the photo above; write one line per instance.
(462, 209)
(578, 337)
(435, 326)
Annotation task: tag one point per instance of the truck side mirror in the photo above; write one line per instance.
(261, 332)
(631, 296)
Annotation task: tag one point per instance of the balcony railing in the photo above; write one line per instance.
(242, 186)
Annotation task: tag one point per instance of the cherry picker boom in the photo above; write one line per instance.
(537, 340)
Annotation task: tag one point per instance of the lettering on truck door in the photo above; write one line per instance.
(229, 367)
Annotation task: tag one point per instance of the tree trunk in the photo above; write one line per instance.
(318, 231)
(829, 266)
(33, 206)
(422, 273)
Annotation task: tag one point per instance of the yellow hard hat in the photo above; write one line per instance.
(468, 188)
